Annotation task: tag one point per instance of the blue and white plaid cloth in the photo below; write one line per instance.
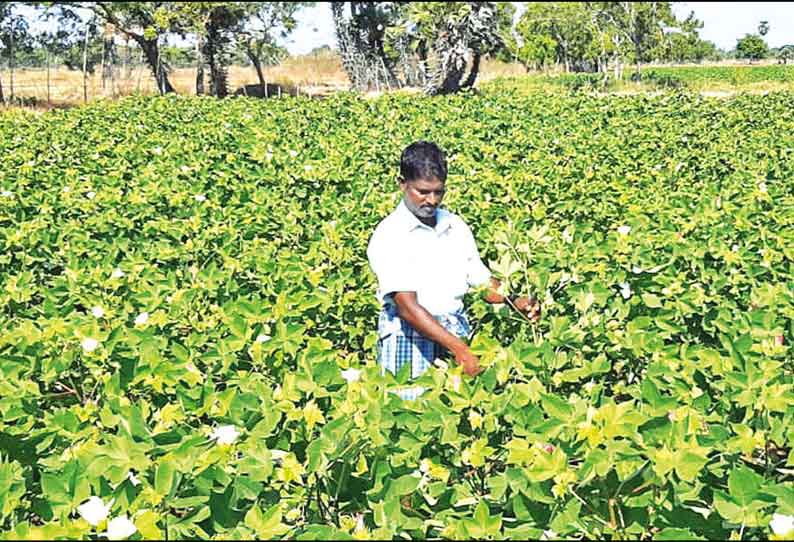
(399, 343)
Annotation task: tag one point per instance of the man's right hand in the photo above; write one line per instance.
(469, 362)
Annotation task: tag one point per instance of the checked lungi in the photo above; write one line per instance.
(399, 343)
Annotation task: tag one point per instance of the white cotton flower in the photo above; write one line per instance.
(225, 434)
(735, 248)
(89, 344)
(200, 197)
(380, 27)
(91, 195)
(782, 525)
(142, 318)
(456, 382)
(117, 273)
(133, 479)
(6, 193)
(120, 528)
(67, 189)
(184, 169)
(278, 455)
(98, 312)
(157, 150)
(351, 375)
(308, 167)
(94, 510)
(624, 230)
(293, 153)
(625, 290)
(567, 235)
(762, 188)
(636, 270)
(262, 338)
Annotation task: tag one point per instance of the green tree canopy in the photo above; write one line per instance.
(751, 47)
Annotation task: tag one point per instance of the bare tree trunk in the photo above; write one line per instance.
(199, 67)
(11, 64)
(159, 72)
(128, 60)
(151, 50)
(2, 97)
(140, 71)
(475, 70)
(254, 58)
(102, 64)
(214, 54)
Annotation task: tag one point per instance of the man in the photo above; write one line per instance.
(426, 259)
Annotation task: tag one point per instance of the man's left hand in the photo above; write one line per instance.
(529, 306)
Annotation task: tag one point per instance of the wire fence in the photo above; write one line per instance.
(59, 85)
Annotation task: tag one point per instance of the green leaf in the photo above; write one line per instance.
(651, 300)
(675, 533)
(164, 477)
(266, 525)
(744, 484)
(556, 407)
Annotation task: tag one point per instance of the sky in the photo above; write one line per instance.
(723, 23)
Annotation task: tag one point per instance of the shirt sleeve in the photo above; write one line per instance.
(477, 273)
(392, 263)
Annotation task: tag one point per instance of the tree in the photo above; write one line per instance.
(14, 38)
(143, 22)
(638, 25)
(454, 33)
(785, 53)
(752, 47)
(563, 23)
(682, 43)
(535, 51)
(361, 36)
(257, 38)
(435, 45)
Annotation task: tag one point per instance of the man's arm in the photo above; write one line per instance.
(529, 306)
(422, 321)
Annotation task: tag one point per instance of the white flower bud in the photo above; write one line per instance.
(94, 510)
(120, 528)
(225, 434)
(89, 344)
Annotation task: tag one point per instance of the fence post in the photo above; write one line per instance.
(11, 64)
(49, 100)
(85, 66)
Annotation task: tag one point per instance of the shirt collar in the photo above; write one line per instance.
(410, 221)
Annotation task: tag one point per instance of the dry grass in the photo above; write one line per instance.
(317, 74)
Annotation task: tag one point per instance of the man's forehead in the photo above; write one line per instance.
(427, 184)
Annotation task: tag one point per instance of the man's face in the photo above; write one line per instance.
(423, 196)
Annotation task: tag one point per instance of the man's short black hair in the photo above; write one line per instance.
(423, 160)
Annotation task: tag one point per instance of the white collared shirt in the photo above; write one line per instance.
(440, 264)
